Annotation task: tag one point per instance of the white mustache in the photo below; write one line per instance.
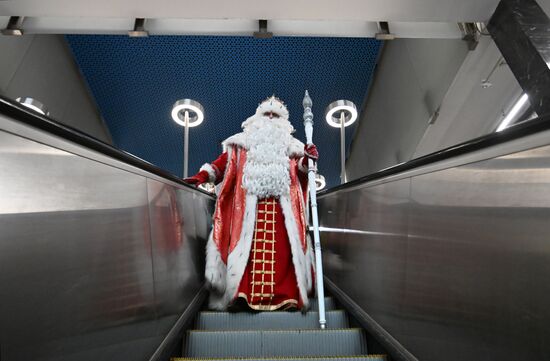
(279, 120)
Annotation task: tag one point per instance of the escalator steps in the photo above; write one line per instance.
(341, 358)
(265, 344)
(268, 320)
(276, 336)
(330, 304)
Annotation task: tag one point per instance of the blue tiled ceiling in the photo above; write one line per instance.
(135, 81)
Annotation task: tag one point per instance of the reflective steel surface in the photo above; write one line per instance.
(454, 263)
(179, 221)
(96, 262)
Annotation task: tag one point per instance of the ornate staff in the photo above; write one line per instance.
(308, 124)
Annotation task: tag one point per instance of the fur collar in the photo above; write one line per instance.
(295, 149)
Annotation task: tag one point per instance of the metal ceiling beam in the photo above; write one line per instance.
(521, 30)
(235, 27)
(349, 10)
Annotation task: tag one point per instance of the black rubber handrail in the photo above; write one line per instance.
(517, 131)
(14, 110)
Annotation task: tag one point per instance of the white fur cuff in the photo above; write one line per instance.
(211, 172)
(215, 271)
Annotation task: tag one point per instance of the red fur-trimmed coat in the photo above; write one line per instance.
(230, 241)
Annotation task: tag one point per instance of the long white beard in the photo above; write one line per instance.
(266, 170)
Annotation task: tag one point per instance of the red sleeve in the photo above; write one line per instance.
(219, 166)
(302, 166)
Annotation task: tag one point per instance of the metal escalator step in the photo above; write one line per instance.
(330, 304)
(265, 344)
(268, 320)
(329, 358)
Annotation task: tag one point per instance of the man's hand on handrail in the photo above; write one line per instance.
(198, 179)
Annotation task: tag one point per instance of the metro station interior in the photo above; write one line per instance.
(432, 122)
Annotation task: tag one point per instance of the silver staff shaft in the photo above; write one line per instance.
(308, 124)
(186, 146)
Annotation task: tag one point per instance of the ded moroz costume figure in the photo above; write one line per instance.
(258, 251)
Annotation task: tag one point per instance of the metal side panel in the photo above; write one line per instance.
(74, 253)
(268, 320)
(97, 262)
(224, 344)
(479, 258)
(454, 262)
(364, 235)
(177, 248)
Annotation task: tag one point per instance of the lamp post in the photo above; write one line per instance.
(188, 113)
(341, 114)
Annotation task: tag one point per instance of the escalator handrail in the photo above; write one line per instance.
(530, 127)
(20, 113)
(14, 110)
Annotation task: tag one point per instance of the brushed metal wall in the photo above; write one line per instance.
(454, 263)
(96, 261)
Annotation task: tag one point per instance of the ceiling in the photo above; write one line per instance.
(347, 18)
(365, 10)
(135, 82)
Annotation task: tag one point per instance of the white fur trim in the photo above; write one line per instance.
(298, 255)
(310, 264)
(238, 140)
(295, 148)
(215, 270)
(310, 254)
(238, 259)
(266, 171)
(212, 176)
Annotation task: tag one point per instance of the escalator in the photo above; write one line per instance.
(102, 257)
(276, 336)
(119, 246)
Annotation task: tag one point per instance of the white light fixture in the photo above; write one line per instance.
(15, 26)
(341, 114)
(33, 104)
(335, 110)
(187, 113)
(513, 112)
(384, 31)
(193, 108)
(320, 182)
(139, 29)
